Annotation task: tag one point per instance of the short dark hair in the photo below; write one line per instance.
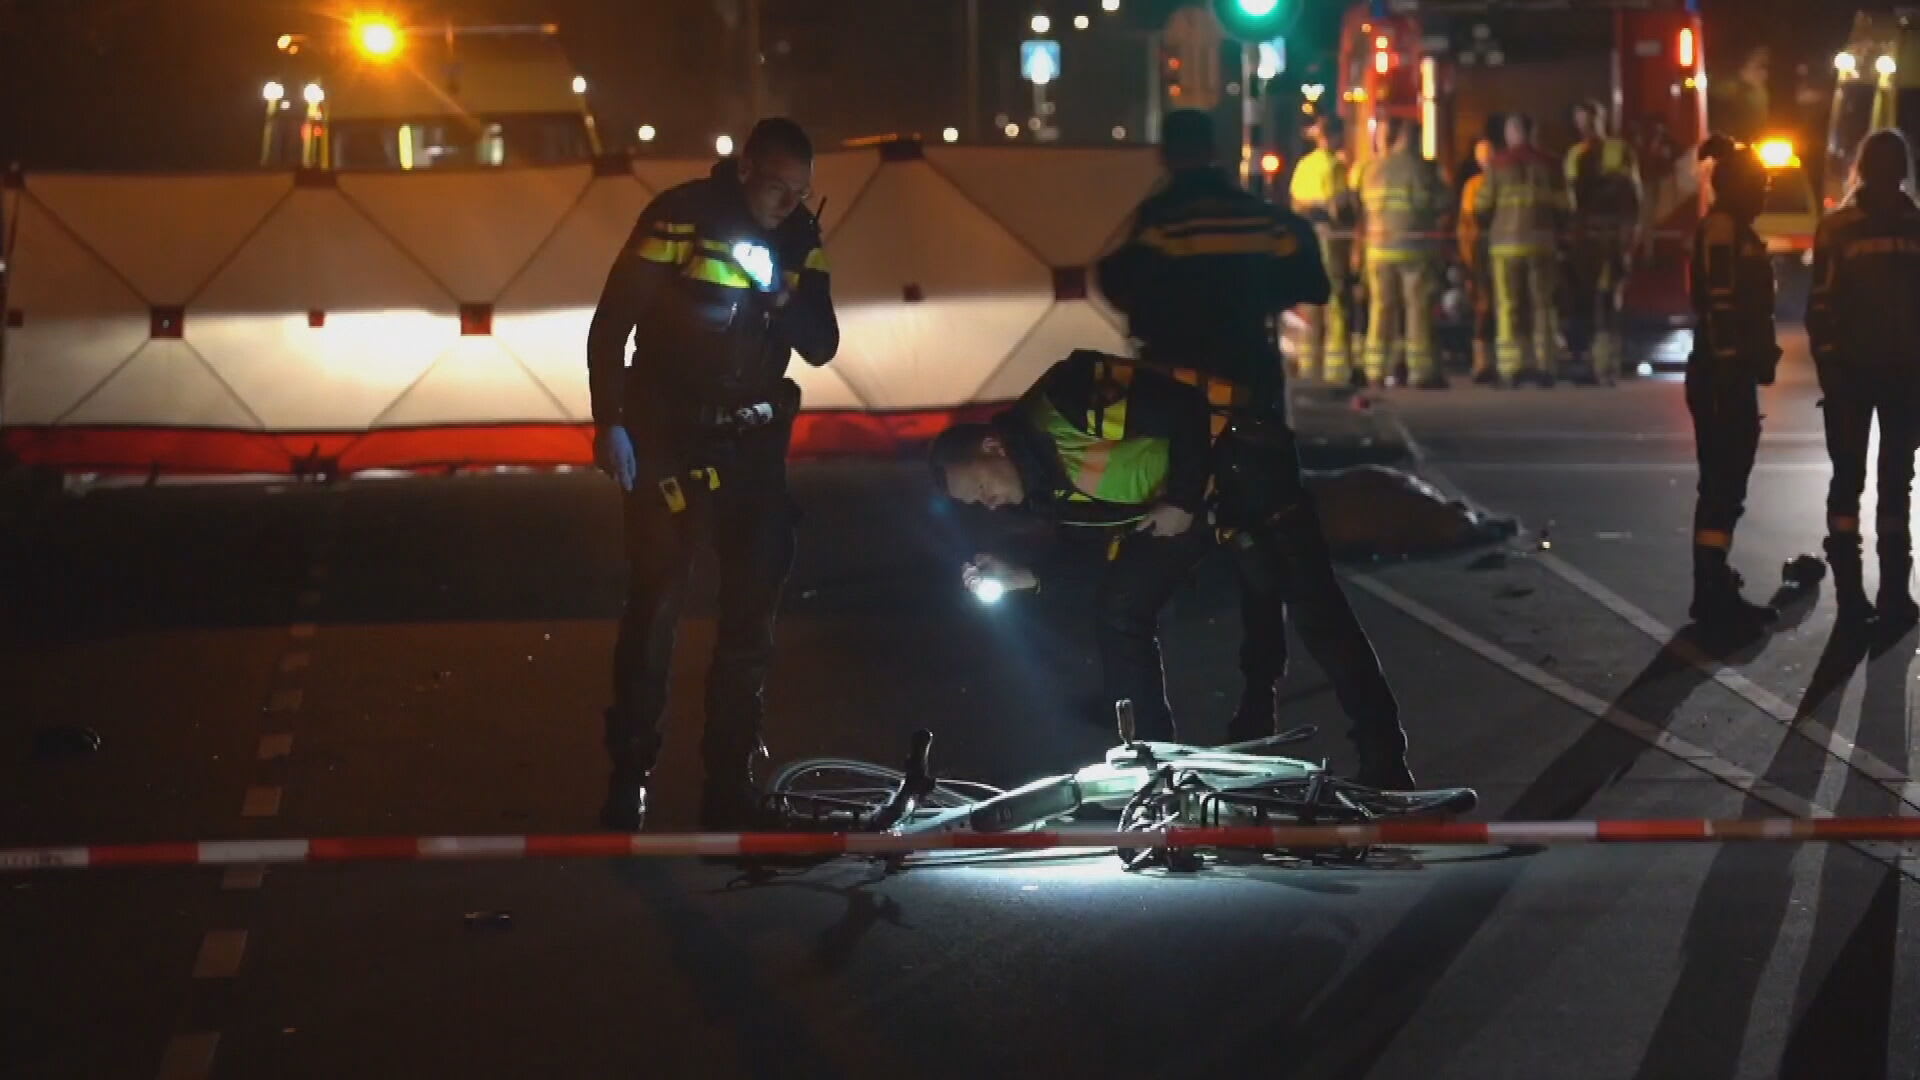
(1187, 136)
(957, 445)
(778, 135)
(1330, 125)
(1884, 160)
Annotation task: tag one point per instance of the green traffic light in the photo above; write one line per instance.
(1258, 9)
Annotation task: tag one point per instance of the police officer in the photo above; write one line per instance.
(1864, 324)
(1404, 204)
(1603, 179)
(1522, 206)
(1320, 194)
(723, 279)
(1201, 276)
(1734, 354)
(1107, 443)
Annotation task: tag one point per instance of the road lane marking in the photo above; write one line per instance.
(285, 701)
(295, 661)
(1796, 719)
(1662, 739)
(221, 952)
(237, 878)
(261, 802)
(302, 631)
(276, 746)
(190, 1057)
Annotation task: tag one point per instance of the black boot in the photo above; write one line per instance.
(1849, 588)
(1895, 605)
(633, 754)
(730, 800)
(1385, 769)
(1716, 594)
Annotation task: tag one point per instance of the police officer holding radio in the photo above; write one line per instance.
(721, 281)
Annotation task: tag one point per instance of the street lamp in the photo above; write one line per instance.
(951, 135)
(647, 133)
(723, 146)
(377, 38)
(1041, 24)
(1012, 130)
(314, 94)
(1081, 22)
(1109, 6)
(579, 84)
(273, 92)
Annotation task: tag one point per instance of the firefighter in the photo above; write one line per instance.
(1320, 194)
(1734, 354)
(1200, 277)
(1522, 205)
(1405, 205)
(720, 282)
(1603, 180)
(1479, 264)
(1105, 443)
(1865, 330)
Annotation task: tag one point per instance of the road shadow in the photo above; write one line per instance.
(1350, 1028)
(1844, 999)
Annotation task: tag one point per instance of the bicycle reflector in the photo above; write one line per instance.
(988, 590)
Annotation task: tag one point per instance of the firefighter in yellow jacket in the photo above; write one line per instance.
(1523, 205)
(1405, 207)
(1603, 181)
(1321, 194)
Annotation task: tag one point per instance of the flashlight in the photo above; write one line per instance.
(756, 261)
(988, 590)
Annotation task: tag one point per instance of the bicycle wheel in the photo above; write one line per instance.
(843, 793)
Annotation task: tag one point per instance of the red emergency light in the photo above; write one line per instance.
(1686, 48)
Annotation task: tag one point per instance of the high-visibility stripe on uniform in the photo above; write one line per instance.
(669, 252)
(716, 271)
(1279, 243)
(1714, 538)
(816, 260)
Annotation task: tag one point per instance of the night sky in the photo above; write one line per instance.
(174, 84)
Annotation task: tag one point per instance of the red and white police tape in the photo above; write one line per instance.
(620, 845)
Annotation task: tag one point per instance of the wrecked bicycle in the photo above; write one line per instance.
(1150, 785)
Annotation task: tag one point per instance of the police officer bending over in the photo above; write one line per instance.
(1106, 443)
(721, 281)
(1864, 324)
(1734, 354)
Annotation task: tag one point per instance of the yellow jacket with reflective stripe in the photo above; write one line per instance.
(1405, 204)
(1319, 189)
(1603, 179)
(1523, 204)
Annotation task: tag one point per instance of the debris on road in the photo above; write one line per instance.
(1803, 571)
(488, 920)
(1371, 511)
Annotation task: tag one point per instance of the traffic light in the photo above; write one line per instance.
(1255, 20)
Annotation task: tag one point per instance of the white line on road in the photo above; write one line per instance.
(302, 630)
(190, 1057)
(221, 952)
(295, 661)
(1890, 777)
(276, 746)
(1689, 753)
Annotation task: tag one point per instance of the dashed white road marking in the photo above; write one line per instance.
(261, 802)
(238, 878)
(221, 952)
(285, 700)
(189, 1056)
(276, 746)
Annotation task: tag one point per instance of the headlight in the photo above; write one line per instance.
(757, 261)
(988, 590)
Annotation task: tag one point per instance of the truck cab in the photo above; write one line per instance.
(376, 95)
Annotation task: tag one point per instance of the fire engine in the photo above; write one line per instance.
(1455, 66)
(374, 94)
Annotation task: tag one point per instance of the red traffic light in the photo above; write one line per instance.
(1270, 163)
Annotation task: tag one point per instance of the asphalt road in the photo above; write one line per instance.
(429, 656)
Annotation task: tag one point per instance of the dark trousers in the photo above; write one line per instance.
(1850, 406)
(1726, 436)
(749, 520)
(1286, 571)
